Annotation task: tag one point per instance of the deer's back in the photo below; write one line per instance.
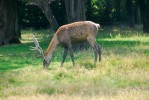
(77, 31)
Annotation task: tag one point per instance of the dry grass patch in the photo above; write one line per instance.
(124, 94)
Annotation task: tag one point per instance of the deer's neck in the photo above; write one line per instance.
(52, 46)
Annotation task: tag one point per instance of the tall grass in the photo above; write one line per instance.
(123, 73)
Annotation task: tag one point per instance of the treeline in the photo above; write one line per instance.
(105, 12)
(33, 17)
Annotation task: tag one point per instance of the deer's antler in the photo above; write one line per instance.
(37, 46)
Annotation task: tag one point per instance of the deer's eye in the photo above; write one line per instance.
(44, 60)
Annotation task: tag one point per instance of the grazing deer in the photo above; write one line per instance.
(68, 34)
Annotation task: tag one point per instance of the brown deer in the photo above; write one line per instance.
(68, 34)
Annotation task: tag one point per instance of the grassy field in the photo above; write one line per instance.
(123, 73)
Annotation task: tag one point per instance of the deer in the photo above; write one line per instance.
(65, 36)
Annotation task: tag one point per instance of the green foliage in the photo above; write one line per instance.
(105, 12)
(123, 70)
(31, 16)
(58, 8)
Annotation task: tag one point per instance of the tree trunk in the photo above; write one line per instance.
(75, 10)
(48, 13)
(89, 9)
(138, 13)
(118, 10)
(45, 7)
(145, 14)
(108, 10)
(9, 27)
(130, 13)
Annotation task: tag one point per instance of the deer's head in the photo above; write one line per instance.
(46, 57)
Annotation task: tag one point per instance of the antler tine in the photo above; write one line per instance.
(32, 48)
(35, 40)
(37, 46)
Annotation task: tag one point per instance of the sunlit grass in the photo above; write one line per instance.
(123, 73)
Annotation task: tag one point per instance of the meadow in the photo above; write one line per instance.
(123, 73)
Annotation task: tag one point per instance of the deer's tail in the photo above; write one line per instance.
(97, 25)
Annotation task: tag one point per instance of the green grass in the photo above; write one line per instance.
(123, 73)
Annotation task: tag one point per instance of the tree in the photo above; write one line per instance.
(75, 10)
(130, 13)
(108, 12)
(45, 7)
(59, 11)
(117, 8)
(9, 26)
(31, 16)
(89, 9)
(145, 14)
(138, 13)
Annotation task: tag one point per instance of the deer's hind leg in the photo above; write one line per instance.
(98, 48)
(91, 41)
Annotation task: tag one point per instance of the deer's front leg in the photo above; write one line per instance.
(71, 53)
(64, 55)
